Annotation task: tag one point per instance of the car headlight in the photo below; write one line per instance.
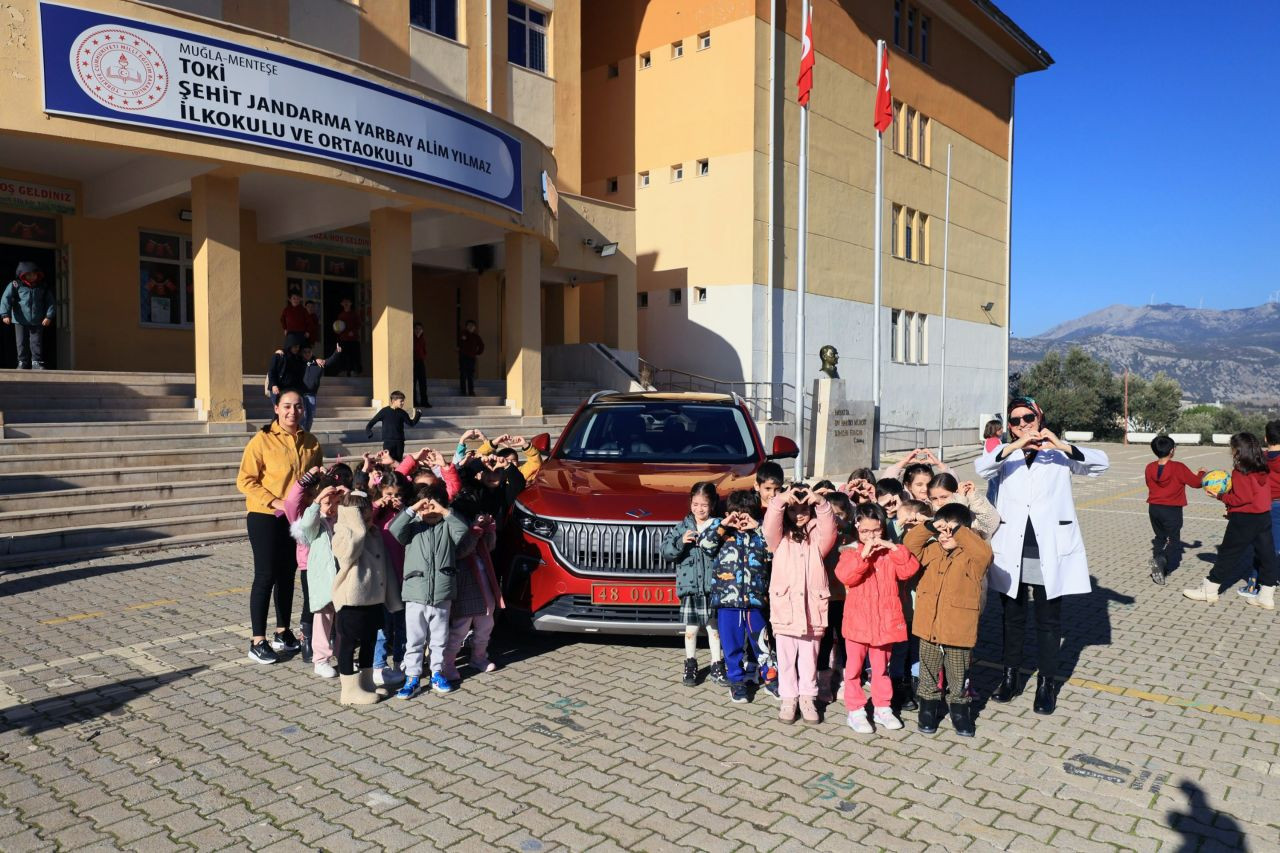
(539, 528)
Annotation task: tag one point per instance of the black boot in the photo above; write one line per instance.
(930, 712)
(690, 672)
(905, 692)
(1046, 695)
(306, 642)
(1008, 687)
(962, 719)
(717, 674)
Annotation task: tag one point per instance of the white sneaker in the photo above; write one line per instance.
(859, 723)
(387, 677)
(884, 718)
(1207, 591)
(325, 671)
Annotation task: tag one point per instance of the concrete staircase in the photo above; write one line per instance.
(94, 463)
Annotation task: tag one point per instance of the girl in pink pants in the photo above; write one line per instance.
(800, 531)
(477, 600)
(873, 620)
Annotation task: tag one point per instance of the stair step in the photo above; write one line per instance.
(228, 529)
(73, 514)
(74, 416)
(34, 485)
(115, 445)
(54, 401)
(143, 530)
(57, 429)
(57, 499)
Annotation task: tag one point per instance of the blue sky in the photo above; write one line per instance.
(1145, 158)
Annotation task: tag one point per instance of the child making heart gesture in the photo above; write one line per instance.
(695, 572)
(870, 569)
(741, 584)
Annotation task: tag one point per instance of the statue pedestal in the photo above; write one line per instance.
(843, 431)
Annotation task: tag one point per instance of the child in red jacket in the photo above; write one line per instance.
(873, 619)
(1248, 526)
(1167, 484)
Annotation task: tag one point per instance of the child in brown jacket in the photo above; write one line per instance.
(955, 560)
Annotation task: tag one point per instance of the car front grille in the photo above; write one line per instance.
(609, 548)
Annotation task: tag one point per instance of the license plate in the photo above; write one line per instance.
(634, 594)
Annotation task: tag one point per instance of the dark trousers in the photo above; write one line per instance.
(356, 626)
(831, 650)
(420, 383)
(1048, 628)
(275, 562)
(306, 605)
(466, 376)
(1246, 531)
(1166, 525)
(739, 629)
(30, 341)
(352, 357)
(396, 448)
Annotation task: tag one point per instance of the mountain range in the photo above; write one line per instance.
(1230, 356)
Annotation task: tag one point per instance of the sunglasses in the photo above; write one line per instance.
(1025, 419)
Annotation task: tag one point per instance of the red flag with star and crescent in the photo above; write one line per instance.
(884, 98)
(805, 81)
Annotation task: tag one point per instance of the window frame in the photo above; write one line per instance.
(642, 179)
(642, 300)
(646, 60)
(702, 167)
(430, 25)
(704, 40)
(677, 173)
(531, 29)
(184, 261)
(675, 296)
(677, 49)
(611, 185)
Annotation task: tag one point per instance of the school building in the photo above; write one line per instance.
(561, 171)
(678, 97)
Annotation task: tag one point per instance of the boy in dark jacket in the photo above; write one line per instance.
(312, 373)
(393, 419)
(740, 588)
(287, 368)
(27, 306)
(695, 573)
(432, 537)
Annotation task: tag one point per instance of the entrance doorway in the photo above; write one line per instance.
(12, 254)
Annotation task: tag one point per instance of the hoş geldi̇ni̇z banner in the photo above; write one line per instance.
(132, 72)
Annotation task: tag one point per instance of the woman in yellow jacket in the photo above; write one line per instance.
(276, 456)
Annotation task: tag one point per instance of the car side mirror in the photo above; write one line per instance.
(784, 448)
(541, 442)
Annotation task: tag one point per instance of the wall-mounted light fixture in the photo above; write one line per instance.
(184, 215)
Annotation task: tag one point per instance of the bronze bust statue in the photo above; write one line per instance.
(830, 358)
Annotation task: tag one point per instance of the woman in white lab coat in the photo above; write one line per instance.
(1039, 552)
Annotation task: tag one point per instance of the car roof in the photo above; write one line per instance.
(661, 397)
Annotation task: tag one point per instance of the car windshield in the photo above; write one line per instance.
(660, 432)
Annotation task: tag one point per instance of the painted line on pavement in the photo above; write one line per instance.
(76, 617)
(1100, 501)
(126, 652)
(1158, 698)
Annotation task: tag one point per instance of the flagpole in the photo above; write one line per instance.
(877, 271)
(768, 288)
(802, 245)
(942, 375)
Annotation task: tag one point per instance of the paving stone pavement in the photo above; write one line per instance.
(131, 719)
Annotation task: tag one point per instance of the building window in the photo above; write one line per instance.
(909, 134)
(912, 129)
(645, 60)
(644, 179)
(704, 40)
(911, 31)
(909, 337)
(613, 70)
(916, 22)
(611, 185)
(677, 172)
(704, 168)
(924, 38)
(526, 37)
(166, 281)
(642, 300)
(700, 294)
(909, 238)
(675, 296)
(897, 23)
(922, 133)
(324, 281)
(677, 49)
(437, 16)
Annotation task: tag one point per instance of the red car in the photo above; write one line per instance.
(583, 542)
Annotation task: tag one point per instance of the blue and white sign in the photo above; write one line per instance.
(132, 72)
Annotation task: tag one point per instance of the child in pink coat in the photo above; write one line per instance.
(870, 569)
(800, 531)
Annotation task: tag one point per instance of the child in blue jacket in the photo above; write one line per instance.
(740, 588)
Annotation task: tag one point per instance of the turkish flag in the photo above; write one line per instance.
(805, 81)
(884, 99)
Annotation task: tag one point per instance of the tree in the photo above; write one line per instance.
(1154, 405)
(1077, 392)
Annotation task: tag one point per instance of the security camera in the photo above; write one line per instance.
(588, 242)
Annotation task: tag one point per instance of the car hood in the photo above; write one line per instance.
(626, 491)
